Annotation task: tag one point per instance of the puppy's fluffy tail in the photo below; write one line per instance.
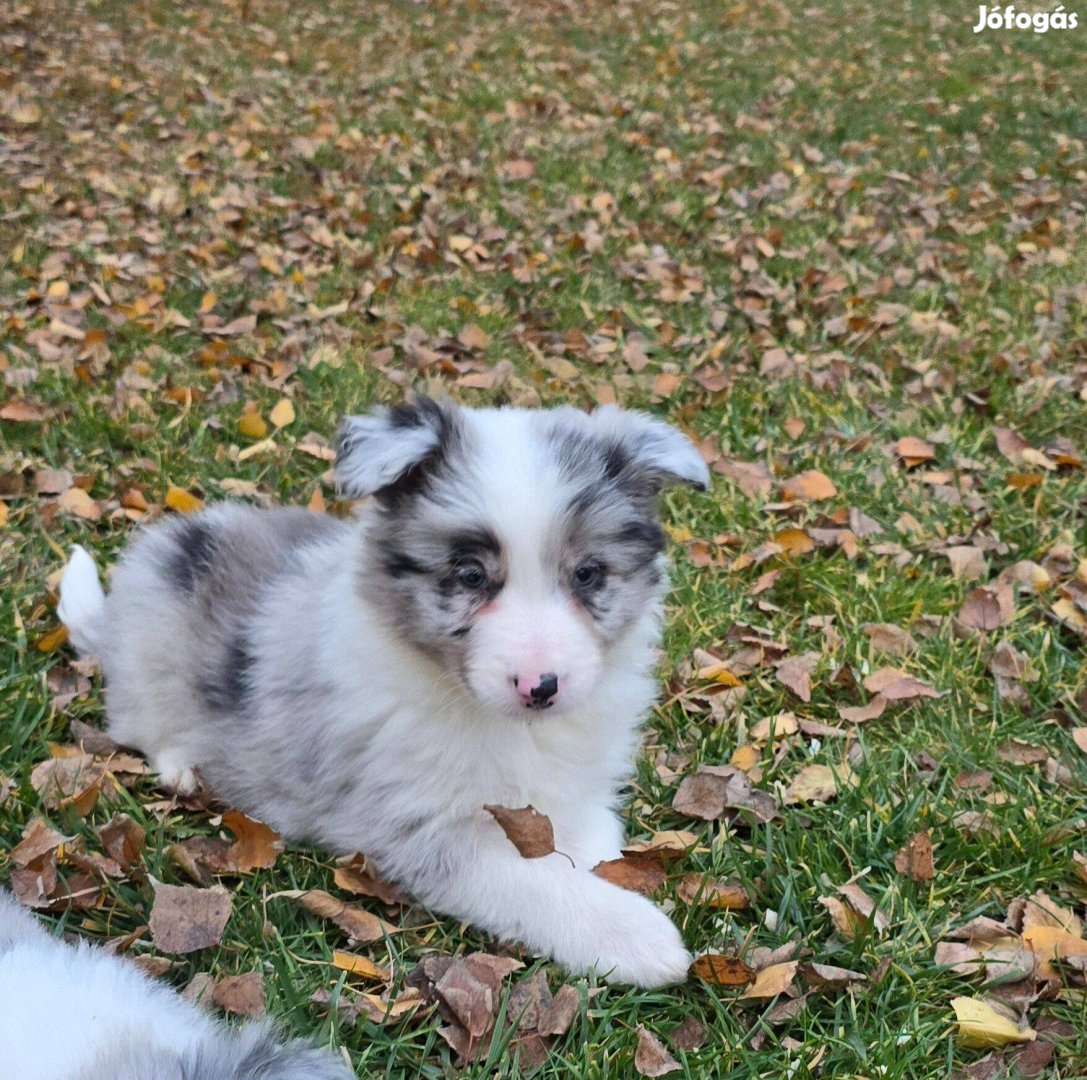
(82, 606)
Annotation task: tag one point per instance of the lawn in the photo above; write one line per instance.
(842, 245)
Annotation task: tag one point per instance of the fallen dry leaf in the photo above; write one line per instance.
(722, 970)
(651, 1058)
(697, 888)
(772, 980)
(240, 995)
(811, 486)
(981, 1026)
(914, 858)
(819, 783)
(257, 846)
(527, 829)
(356, 922)
(363, 966)
(713, 789)
(185, 919)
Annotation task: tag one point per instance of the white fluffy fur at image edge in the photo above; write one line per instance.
(485, 631)
(75, 1012)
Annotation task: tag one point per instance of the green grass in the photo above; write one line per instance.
(757, 149)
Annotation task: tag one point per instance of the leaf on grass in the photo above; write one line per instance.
(982, 1027)
(895, 685)
(967, 562)
(819, 783)
(185, 919)
(252, 425)
(1079, 737)
(526, 828)
(282, 413)
(123, 838)
(240, 995)
(888, 638)
(828, 977)
(651, 1058)
(700, 889)
(713, 789)
(355, 875)
(812, 486)
(257, 846)
(914, 858)
(859, 714)
(988, 608)
(720, 970)
(184, 502)
(794, 673)
(363, 966)
(914, 451)
(772, 980)
(356, 922)
(853, 912)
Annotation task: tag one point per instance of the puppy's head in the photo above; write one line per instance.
(516, 548)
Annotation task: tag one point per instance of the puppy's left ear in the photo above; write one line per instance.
(380, 451)
(659, 453)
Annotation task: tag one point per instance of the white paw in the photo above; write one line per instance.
(639, 944)
(181, 779)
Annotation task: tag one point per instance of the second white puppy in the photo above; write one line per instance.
(483, 634)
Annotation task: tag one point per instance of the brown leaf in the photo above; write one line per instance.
(1079, 737)
(828, 977)
(858, 714)
(22, 411)
(184, 919)
(527, 829)
(241, 995)
(354, 875)
(651, 1058)
(772, 980)
(559, 1015)
(39, 841)
(914, 451)
(123, 838)
(639, 871)
(988, 608)
(697, 888)
(473, 336)
(356, 922)
(967, 562)
(888, 638)
(1010, 443)
(896, 685)
(795, 673)
(713, 789)
(811, 485)
(819, 783)
(914, 859)
(256, 847)
(722, 970)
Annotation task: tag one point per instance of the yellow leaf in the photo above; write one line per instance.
(772, 980)
(460, 242)
(794, 541)
(25, 114)
(3, 513)
(182, 501)
(53, 640)
(745, 757)
(359, 965)
(282, 414)
(252, 425)
(981, 1026)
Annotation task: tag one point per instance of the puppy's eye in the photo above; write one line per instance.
(471, 575)
(588, 574)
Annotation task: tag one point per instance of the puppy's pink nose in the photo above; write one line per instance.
(537, 691)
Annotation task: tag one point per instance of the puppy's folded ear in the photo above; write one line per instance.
(386, 447)
(648, 449)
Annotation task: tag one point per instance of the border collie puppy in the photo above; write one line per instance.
(110, 1021)
(484, 633)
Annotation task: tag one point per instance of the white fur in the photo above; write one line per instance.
(82, 601)
(344, 704)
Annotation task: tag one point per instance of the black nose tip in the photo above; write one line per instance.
(548, 688)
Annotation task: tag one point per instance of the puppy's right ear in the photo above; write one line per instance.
(376, 451)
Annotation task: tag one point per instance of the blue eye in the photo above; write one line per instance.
(588, 574)
(471, 575)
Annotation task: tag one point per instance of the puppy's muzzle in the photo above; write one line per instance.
(540, 696)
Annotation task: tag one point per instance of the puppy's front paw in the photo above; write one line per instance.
(641, 945)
